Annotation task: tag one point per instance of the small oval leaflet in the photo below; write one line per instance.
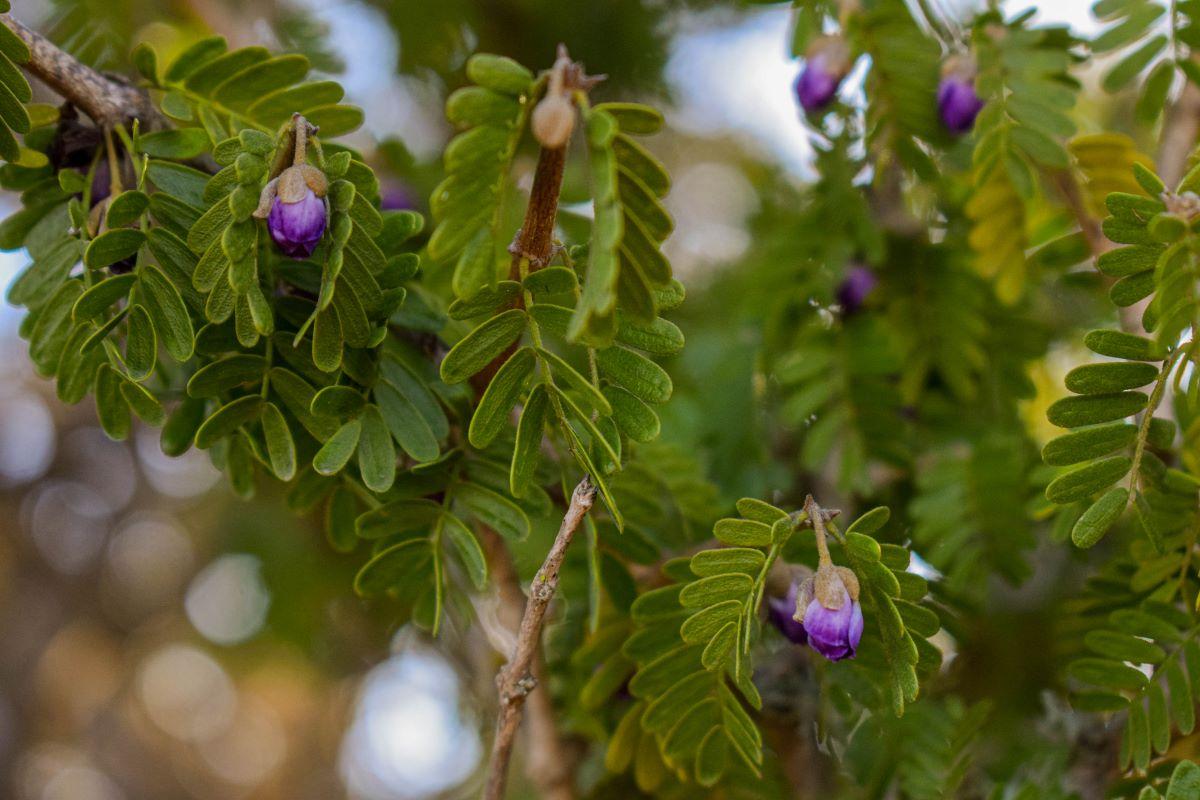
(1118, 344)
(401, 562)
(228, 419)
(715, 589)
(742, 533)
(220, 376)
(499, 73)
(112, 246)
(1100, 517)
(1083, 482)
(501, 395)
(1071, 412)
(1088, 443)
(481, 345)
(1111, 377)
(336, 452)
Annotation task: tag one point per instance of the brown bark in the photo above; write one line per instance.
(535, 240)
(518, 678)
(107, 101)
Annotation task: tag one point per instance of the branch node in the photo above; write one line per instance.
(536, 261)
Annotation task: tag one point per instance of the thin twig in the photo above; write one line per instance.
(107, 101)
(1179, 135)
(1089, 226)
(516, 679)
(550, 763)
(535, 240)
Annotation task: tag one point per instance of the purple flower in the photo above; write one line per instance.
(101, 182)
(828, 61)
(958, 104)
(297, 227)
(782, 613)
(397, 196)
(854, 289)
(834, 632)
(816, 85)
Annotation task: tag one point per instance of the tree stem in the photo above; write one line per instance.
(516, 679)
(535, 240)
(107, 101)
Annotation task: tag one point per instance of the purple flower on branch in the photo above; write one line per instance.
(293, 201)
(782, 613)
(297, 227)
(833, 619)
(854, 289)
(958, 104)
(828, 61)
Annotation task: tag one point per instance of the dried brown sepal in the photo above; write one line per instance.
(803, 598)
(266, 199)
(829, 588)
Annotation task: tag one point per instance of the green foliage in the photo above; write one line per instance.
(306, 371)
(970, 511)
(1147, 51)
(904, 76)
(839, 390)
(690, 651)
(1023, 77)
(1105, 163)
(895, 649)
(630, 223)
(929, 750)
(435, 412)
(1157, 263)
(14, 94)
(222, 92)
(1153, 634)
(608, 397)
(468, 206)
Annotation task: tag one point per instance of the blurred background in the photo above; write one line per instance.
(160, 638)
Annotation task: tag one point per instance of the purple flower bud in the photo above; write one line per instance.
(782, 613)
(828, 61)
(397, 196)
(297, 227)
(816, 85)
(101, 182)
(854, 289)
(958, 104)
(834, 633)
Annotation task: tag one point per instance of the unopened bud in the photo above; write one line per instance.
(553, 120)
(828, 61)
(958, 103)
(833, 620)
